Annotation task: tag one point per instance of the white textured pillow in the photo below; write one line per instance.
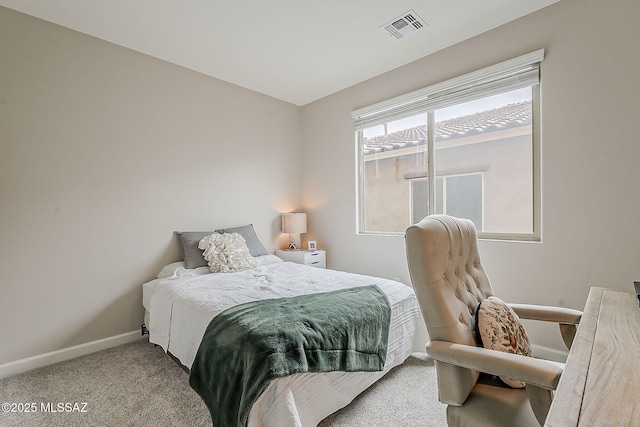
(226, 253)
(499, 328)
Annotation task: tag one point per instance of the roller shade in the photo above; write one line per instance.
(513, 74)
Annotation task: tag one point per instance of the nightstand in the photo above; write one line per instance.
(312, 258)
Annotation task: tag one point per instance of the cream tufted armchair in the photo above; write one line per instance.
(450, 281)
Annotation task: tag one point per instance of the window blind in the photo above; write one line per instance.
(513, 74)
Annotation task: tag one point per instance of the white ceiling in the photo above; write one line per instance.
(294, 50)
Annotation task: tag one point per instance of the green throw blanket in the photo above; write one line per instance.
(247, 346)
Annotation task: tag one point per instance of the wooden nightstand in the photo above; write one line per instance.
(312, 258)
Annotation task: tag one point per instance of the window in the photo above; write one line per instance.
(457, 195)
(466, 147)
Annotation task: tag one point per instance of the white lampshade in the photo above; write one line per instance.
(294, 223)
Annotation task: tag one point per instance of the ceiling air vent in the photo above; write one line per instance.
(404, 25)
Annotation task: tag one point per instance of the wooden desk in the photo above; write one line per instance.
(600, 385)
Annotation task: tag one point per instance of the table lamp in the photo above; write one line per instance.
(294, 223)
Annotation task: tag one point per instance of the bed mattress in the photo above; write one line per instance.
(182, 302)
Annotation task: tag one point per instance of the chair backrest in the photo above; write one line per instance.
(449, 281)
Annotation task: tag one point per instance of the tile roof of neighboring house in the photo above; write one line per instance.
(509, 116)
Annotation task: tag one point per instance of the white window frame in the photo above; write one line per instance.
(516, 73)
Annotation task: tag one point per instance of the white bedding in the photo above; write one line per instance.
(182, 302)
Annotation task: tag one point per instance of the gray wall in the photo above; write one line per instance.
(590, 152)
(104, 152)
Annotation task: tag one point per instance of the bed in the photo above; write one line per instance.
(181, 302)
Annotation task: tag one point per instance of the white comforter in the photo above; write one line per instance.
(182, 302)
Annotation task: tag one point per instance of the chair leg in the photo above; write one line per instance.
(540, 400)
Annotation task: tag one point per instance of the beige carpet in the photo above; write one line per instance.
(137, 384)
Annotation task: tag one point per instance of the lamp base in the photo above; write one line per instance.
(294, 241)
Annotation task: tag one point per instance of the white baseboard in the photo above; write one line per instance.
(40, 360)
(549, 353)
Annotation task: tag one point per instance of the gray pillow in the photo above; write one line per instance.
(253, 243)
(191, 254)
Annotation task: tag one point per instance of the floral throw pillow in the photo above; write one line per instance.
(498, 327)
(226, 253)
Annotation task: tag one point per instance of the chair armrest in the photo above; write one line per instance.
(547, 313)
(538, 372)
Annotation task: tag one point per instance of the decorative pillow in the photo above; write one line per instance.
(192, 255)
(226, 253)
(253, 243)
(189, 241)
(498, 327)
